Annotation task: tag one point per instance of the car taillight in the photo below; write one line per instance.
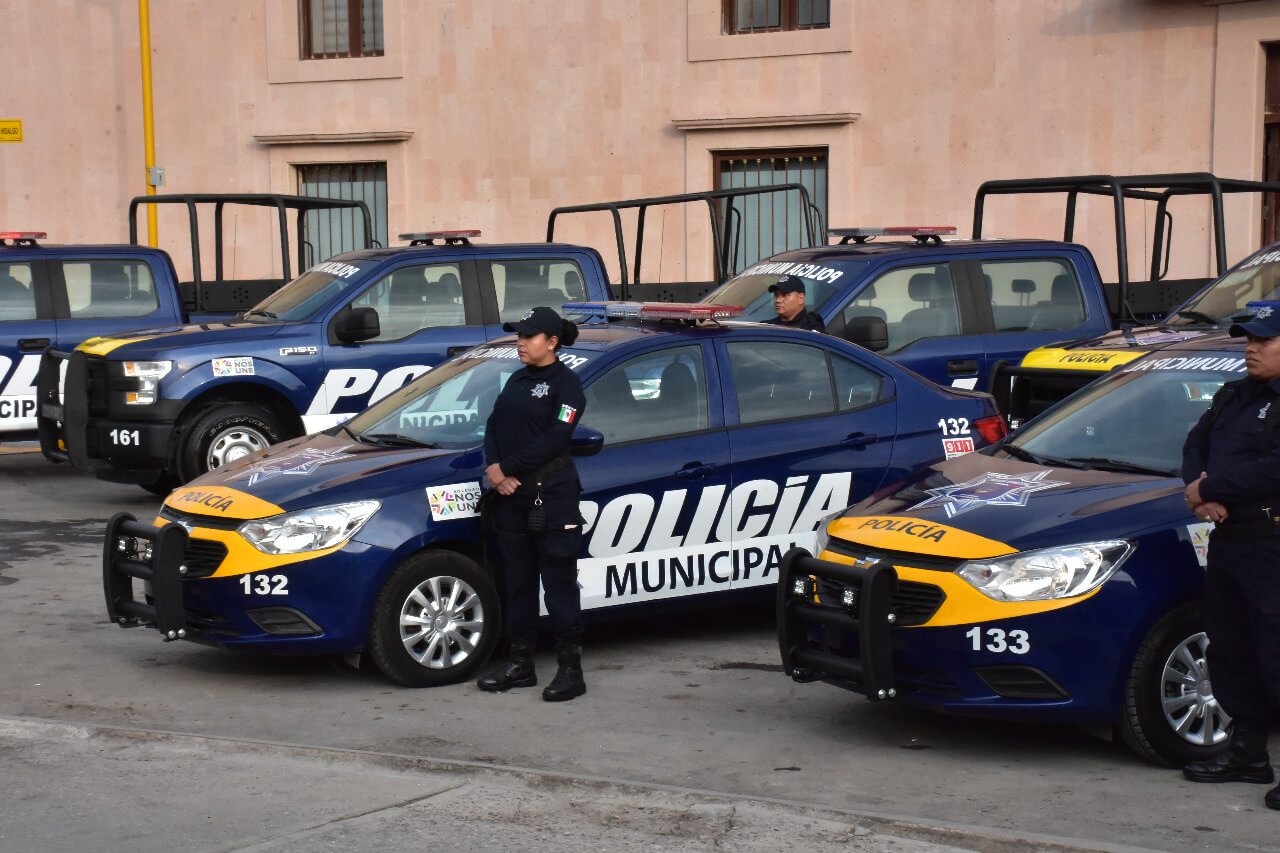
(992, 428)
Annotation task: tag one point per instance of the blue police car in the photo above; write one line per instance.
(1052, 577)
(711, 449)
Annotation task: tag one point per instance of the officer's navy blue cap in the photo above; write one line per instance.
(1265, 322)
(788, 284)
(535, 320)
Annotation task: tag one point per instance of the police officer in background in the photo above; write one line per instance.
(538, 525)
(788, 303)
(1231, 463)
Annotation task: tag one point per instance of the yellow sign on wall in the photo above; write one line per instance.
(10, 130)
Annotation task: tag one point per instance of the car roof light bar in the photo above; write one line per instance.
(692, 311)
(21, 238)
(921, 233)
(447, 238)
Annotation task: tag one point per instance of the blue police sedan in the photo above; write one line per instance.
(712, 449)
(1052, 577)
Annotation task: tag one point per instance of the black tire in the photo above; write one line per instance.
(224, 433)
(436, 620)
(1170, 714)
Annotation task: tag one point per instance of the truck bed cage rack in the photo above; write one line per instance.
(1157, 188)
(283, 204)
(721, 226)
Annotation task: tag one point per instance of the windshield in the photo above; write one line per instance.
(449, 406)
(751, 289)
(1256, 279)
(1134, 419)
(308, 293)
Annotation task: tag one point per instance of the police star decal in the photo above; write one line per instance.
(299, 463)
(988, 490)
(542, 389)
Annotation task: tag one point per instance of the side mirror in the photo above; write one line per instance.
(585, 441)
(356, 324)
(870, 332)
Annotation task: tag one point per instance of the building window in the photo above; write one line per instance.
(762, 225)
(325, 233)
(763, 16)
(1271, 146)
(334, 29)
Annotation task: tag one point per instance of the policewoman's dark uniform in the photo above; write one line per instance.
(1235, 444)
(539, 526)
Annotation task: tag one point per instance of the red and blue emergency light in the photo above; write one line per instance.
(692, 311)
(21, 238)
(921, 233)
(447, 238)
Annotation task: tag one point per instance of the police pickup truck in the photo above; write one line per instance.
(967, 312)
(61, 295)
(160, 407)
(1053, 577)
(1145, 314)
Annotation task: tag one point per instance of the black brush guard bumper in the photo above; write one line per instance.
(817, 635)
(134, 551)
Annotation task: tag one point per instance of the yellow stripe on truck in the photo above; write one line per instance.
(102, 346)
(1079, 359)
(962, 604)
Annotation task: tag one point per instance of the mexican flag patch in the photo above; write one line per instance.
(567, 414)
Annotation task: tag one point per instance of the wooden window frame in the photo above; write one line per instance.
(355, 32)
(788, 18)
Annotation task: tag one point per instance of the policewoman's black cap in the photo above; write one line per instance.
(535, 320)
(788, 284)
(1265, 322)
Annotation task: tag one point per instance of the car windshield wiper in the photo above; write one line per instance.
(1109, 464)
(1025, 455)
(1197, 315)
(258, 311)
(395, 438)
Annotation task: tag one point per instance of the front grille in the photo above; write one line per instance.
(913, 603)
(191, 519)
(203, 556)
(97, 385)
(898, 558)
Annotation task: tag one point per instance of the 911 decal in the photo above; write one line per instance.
(265, 584)
(999, 641)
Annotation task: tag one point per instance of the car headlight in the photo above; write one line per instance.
(308, 529)
(148, 374)
(822, 537)
(1048, 573)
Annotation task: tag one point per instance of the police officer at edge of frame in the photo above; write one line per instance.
(1231, 463)
(788, 303)
(535, 514)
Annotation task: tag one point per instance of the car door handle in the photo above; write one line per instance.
(695, 469)
(32, 344)
(962, 366)
(859, 440)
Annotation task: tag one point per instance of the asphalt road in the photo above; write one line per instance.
(692, 708)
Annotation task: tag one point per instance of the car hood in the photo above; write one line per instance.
(978, 506)
(140, 344)
(1111, 349)
(321, 470)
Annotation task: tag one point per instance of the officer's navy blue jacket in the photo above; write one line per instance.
(1228, 448)
(531, 424)
(810, 320)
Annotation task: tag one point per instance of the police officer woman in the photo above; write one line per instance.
(535, 514)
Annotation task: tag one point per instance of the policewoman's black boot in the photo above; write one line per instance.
(516, 672)
(568, 682)
(1245, 760)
